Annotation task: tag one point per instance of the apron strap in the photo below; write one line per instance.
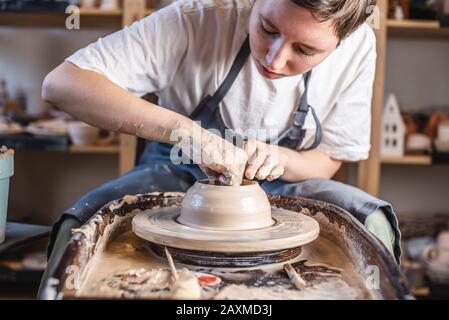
(318, 133)
(296, 133)
(233, 73)
(212, 102)
(300, 115)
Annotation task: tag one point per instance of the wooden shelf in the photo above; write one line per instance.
(100, 12)
(409, 159)
(413, 24)
(110, 149)
(90, 18)
(416, 29)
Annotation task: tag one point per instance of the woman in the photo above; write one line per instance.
(299, 73)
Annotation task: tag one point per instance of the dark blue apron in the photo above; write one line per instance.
(155, 171)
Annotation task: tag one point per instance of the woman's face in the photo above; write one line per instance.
(286, 40)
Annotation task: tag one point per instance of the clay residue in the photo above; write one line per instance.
(135, 283)
(125, 200)
(127, 269)
(335, 289)
(332, 266)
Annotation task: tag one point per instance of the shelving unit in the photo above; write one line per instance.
(101, 12)
(416, 29)
(109, 149)
(370, 170)
(405, 30)
(131, 11)
(408, 159)
(90, 18)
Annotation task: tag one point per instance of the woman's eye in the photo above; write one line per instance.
(307, 54)
(304, 53)
(264, 29)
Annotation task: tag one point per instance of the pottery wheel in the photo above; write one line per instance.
(290, 230)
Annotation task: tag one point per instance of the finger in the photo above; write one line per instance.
(212, 175)
(266, 168)
(276, 173)
(215, 177)
(234, 175)
(231, 179)
(250, 149)
(258, 161)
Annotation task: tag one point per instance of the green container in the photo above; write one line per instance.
(6, 171)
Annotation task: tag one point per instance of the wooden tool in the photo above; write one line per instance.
(186, 285)
(294, 276)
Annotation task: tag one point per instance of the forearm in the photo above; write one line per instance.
(92, 98)
(305, 165)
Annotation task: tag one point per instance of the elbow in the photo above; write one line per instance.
(50, 89)
(334, 169)
(56, 84)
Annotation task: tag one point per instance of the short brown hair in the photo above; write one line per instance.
(347, 15)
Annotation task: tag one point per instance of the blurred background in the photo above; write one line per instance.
(58, 159)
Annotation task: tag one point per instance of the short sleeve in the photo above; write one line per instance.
(347, 129)
(142, 58)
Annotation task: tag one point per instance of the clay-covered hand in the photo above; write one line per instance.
(265, 161)
(220, 160)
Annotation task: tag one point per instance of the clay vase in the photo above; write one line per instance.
(219, 207)
(436, 259)
(438, 253)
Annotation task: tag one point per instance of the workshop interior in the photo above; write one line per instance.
(93, 206)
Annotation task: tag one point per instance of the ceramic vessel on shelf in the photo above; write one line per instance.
(83, 134)
(418, 142)
(436, 257)
(442, 141)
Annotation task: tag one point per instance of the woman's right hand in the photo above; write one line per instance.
(219, 159)
(93, 98)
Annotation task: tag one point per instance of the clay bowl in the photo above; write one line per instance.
(219, 207)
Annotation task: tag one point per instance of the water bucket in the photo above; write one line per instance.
(6, 171)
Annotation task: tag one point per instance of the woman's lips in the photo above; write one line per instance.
(268, 74)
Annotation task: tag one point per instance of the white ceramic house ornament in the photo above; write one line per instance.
(393, 130)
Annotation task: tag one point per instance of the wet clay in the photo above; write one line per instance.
(225, 219)
(289, 230)
(220, 207)
(127, 269)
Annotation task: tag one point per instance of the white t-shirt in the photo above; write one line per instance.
(183, 53)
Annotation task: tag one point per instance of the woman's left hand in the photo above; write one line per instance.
(265, 161)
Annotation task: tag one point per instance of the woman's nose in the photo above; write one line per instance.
(277, 56)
